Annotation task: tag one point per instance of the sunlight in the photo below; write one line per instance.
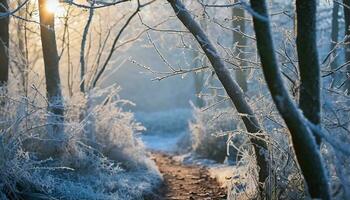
(53, 6)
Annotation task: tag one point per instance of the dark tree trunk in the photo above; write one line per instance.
(51, 62)
(231, 87)
(4, 44)
(304, 143)
(239, 23)
(309, 67)
(347, 42)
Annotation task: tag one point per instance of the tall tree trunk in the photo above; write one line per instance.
(239, 23)
(347, 42)
(304, 143)
(334, 37)
(51, 62)
(22, 47)
(4, 44)
(309, 67)
(231, 87)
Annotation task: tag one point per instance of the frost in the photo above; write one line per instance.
(114, 166)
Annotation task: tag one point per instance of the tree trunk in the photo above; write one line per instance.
(347, 42)
(239, 23)
(304, 143)
(197, 62)
(82, 48)
(4, 44)
(232, 88)
(334, 36)
(22, 45)
(51, 62)
(309, 67)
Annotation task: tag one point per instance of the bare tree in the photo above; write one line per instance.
(347, 42)
(51, 62)
(334, 37)
(309, 67)
(82, 48)
(304, 143)
(241, 42)
(231, 87)
(22, 46)
(198, 61)
(4, 43)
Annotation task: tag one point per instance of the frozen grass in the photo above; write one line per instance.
(214, 130)
(210, 132)
(98, 157)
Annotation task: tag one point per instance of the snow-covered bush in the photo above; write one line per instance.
(211, 132)
(112, 166)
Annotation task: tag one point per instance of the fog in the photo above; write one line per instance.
(138, 86)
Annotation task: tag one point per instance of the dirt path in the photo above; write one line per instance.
(186, 182)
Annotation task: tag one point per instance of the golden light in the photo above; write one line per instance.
(54, 6)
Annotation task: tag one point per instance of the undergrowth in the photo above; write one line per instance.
(99, 156)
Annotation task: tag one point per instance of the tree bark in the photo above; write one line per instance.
(239, 23)
(51, 62)
(231, 87)
(309, 67)
(347, 42)
(4, 44)
(334, 37)
(306, 149)
(22, 45)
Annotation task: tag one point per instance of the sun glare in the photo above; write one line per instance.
(54, 6)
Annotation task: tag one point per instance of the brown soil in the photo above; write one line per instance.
(186, 182)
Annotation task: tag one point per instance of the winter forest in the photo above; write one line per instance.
(174, 99)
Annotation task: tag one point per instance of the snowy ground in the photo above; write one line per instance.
(164, 128)
(164, 143)
(164, 131)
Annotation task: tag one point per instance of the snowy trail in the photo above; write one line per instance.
(165, 130)
(186, 182)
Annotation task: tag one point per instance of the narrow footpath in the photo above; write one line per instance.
(186, 182)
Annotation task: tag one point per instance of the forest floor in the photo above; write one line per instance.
(186, 181)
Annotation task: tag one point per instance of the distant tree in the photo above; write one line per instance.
(231, 87)
(238, 22)
(51, 63)
(309, 67)
(198, 61)
(334, 37)
(22, 46)
(347, 42)
(304, 143)
(4, 44)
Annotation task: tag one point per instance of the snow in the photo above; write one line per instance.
(164, 143)
(164, 129)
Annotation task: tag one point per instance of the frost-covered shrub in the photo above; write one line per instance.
(116, 134)
(84, 169)
(210, 132)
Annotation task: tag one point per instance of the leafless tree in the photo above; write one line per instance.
(309, 67)
(232, 88)
(304, 143)
(347, 42)
(51, 63)
(4, 43)
(240, 41)
(334, 38)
